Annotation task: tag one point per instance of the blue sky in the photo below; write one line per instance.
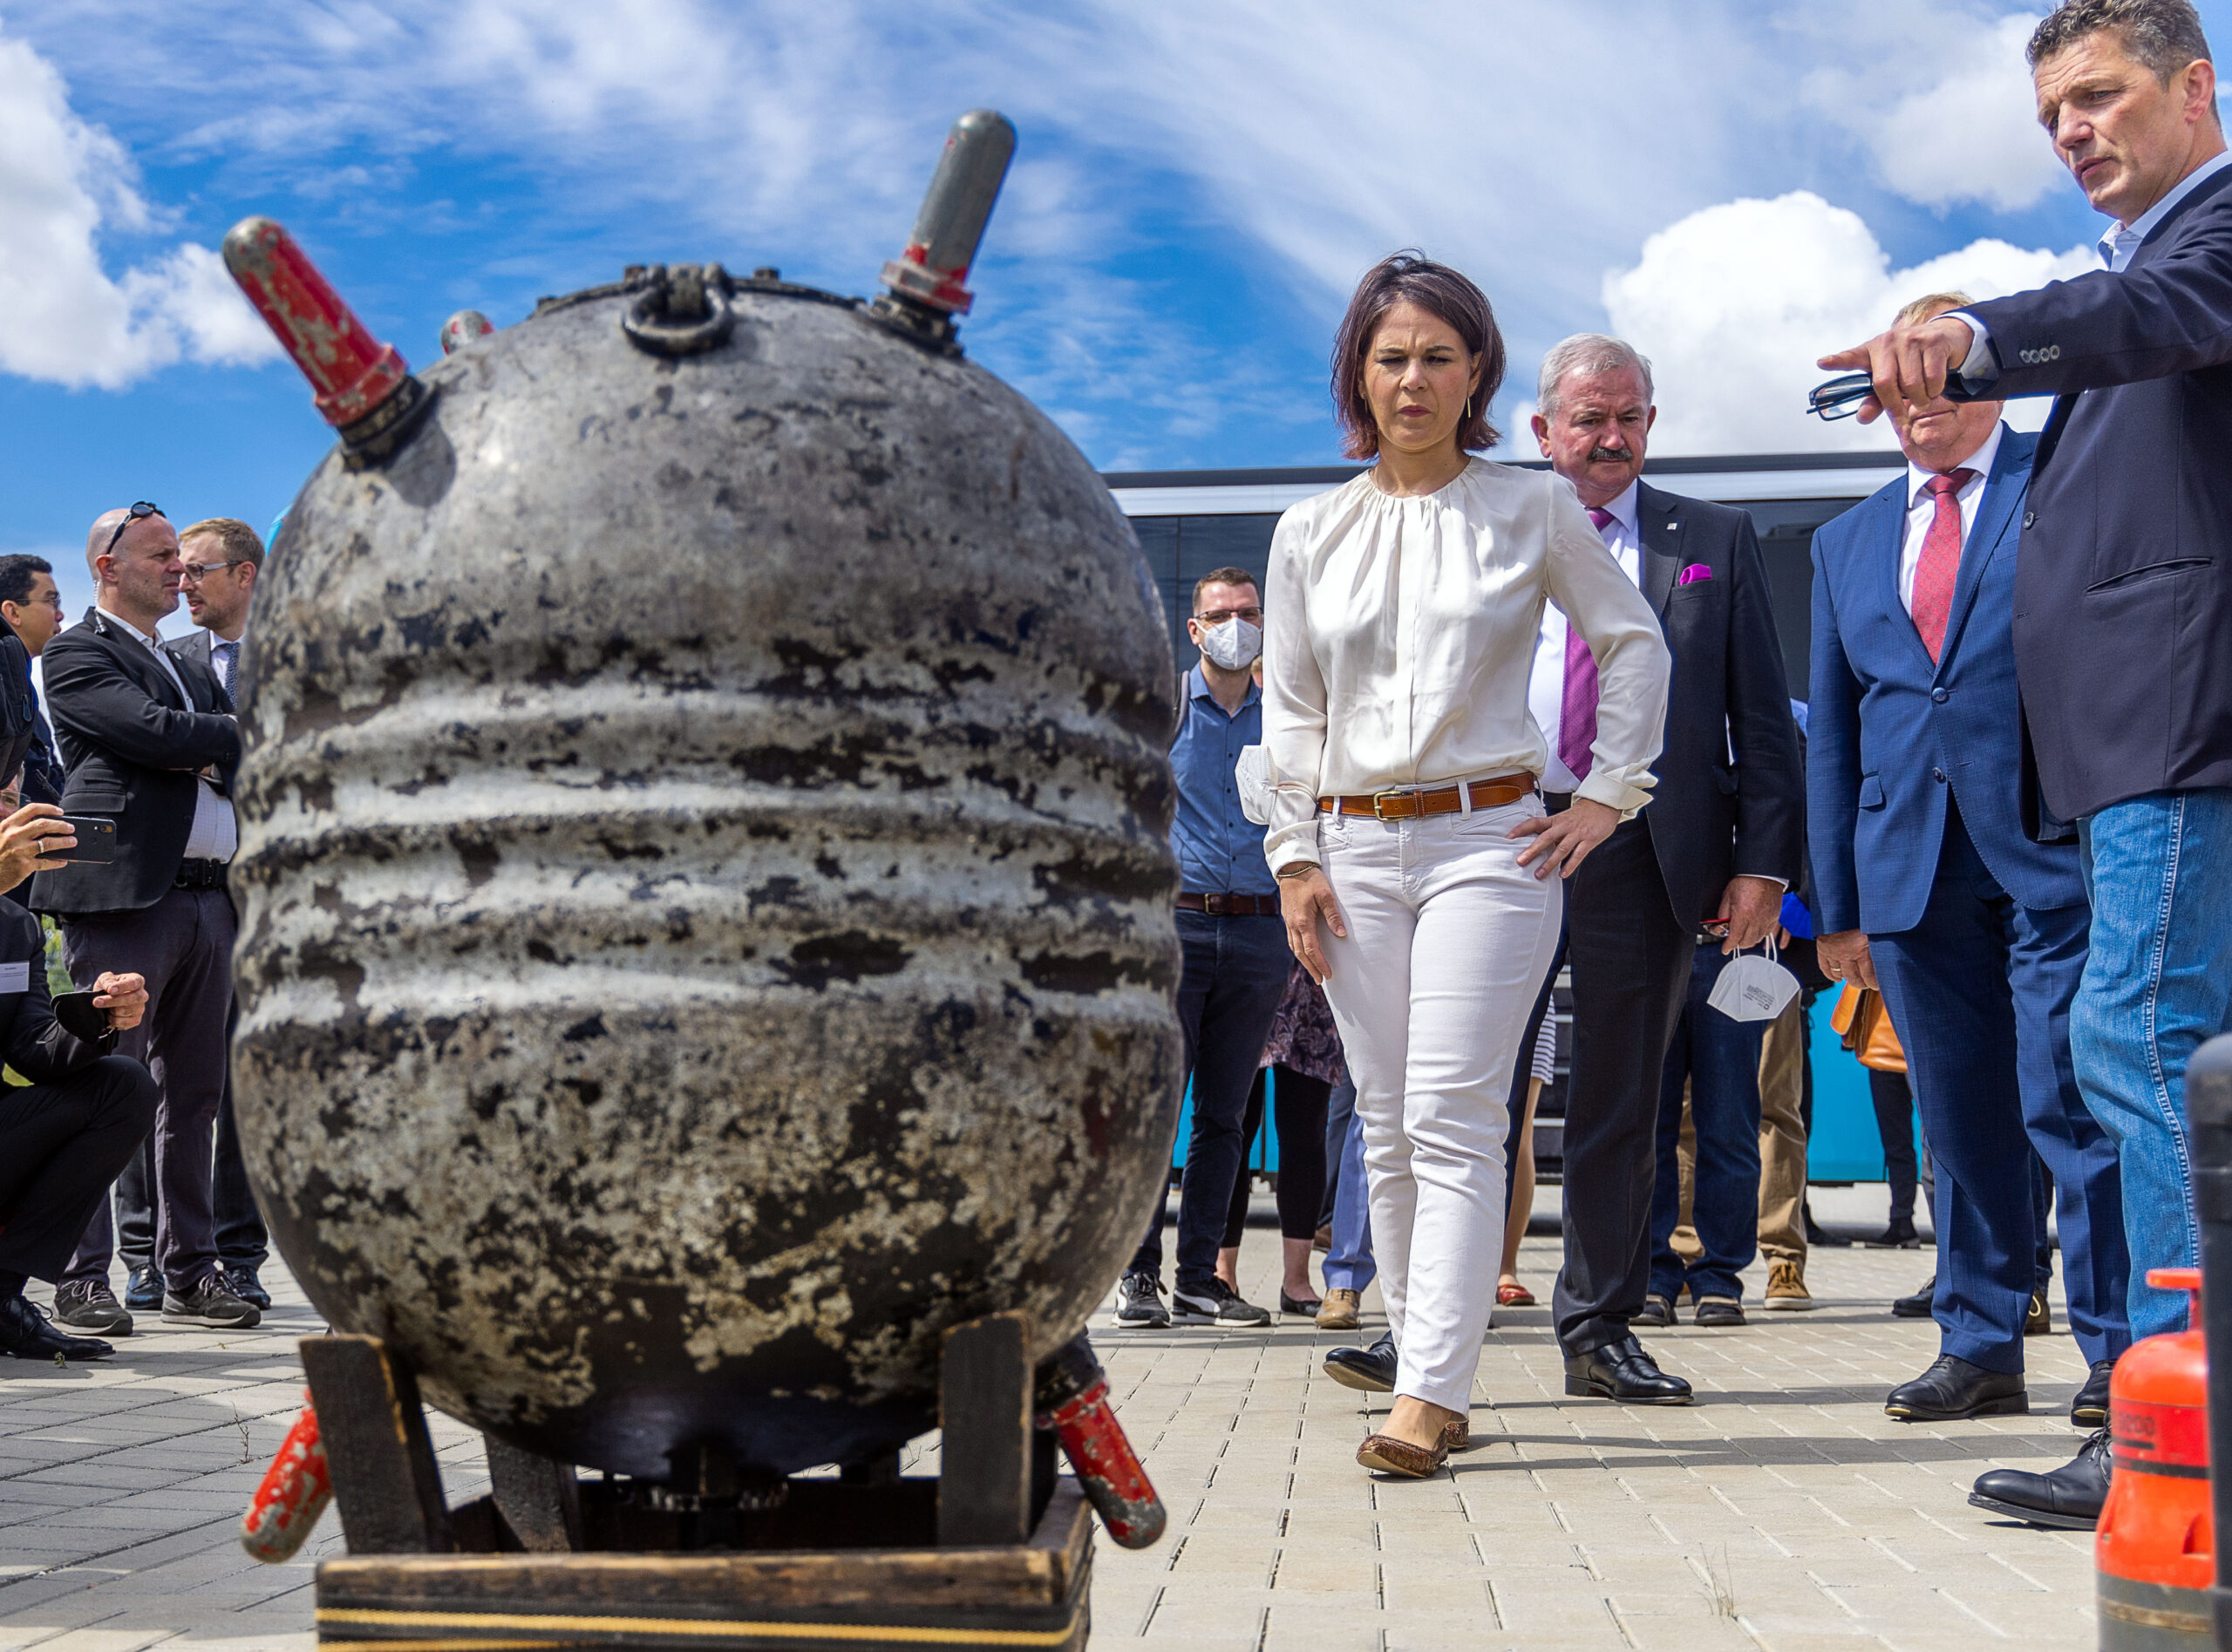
(1736, 186)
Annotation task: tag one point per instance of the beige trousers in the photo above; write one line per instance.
(1782, 1147)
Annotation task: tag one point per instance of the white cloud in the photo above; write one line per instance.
(62, 318)
(1945, 106)
(1734, 304)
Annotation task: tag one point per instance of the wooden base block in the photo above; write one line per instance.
(1031, 1595)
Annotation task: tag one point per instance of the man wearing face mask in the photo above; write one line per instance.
(1235, 942)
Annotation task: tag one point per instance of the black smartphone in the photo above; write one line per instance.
(96, 840)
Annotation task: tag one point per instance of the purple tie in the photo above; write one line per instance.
(1577, 708)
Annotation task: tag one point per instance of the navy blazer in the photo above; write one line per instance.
(2123, 600)
(1889, 735)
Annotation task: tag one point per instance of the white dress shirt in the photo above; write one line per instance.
(215, 834)
(1921, 508)
(1399, 636)
(2116, 246)
(1546, 689)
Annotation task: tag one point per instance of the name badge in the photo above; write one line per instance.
(14, 977)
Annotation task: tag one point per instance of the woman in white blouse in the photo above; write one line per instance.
(1412, 851)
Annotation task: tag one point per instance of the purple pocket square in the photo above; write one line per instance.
(1692, 574)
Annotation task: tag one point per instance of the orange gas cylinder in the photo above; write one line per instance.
(2156, 1550)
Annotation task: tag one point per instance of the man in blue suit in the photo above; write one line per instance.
(2123, 601)
(1927, 884)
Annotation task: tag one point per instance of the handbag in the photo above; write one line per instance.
(1864, 1024)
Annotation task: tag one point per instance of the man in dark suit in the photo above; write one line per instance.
(2123, 591)
(1721, 841)
(148, 741)
(220, 560)
(1927, 884)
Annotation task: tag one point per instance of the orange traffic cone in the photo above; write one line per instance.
(2155, 1553)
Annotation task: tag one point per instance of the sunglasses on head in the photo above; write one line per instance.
(140, 508)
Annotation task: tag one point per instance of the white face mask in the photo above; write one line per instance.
(1752, 987)
(1233, 645)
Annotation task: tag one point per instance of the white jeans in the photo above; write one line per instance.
(1449, 938)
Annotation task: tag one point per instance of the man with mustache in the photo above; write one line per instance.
(1720, 843)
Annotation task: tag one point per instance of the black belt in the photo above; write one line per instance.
(199, 874)
(1231, 906)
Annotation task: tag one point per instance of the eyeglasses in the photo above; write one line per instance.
(1219, 616)
(1839, 397)
(194, 572)
(140, 508)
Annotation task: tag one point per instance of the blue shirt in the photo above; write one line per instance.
(1220, 849)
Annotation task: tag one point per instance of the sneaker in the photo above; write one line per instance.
(209, 1304)
(1139, 1302)
(1657, 1309)
(143, 1289)
(1214, 1303)
(90, 1305)
(243, 1283)
(1787, 1287)
(1719, 1310)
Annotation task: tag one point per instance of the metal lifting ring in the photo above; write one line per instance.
(683, 313)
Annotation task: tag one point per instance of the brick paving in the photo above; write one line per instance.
(1782, 1512)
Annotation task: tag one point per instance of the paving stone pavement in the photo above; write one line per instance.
(1783, 1512)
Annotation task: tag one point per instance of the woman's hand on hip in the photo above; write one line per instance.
(1562, 841)
(1305, 897)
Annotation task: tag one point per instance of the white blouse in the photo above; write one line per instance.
(1399, 635)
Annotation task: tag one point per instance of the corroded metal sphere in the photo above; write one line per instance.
(706, 914)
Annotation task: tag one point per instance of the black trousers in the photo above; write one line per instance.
(1301, 1113)
(242, 1240)
(1630, 970)
(60, 1146)
(1894, 1123)
(183, 945)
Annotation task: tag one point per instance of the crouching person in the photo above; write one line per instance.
(64, 1135)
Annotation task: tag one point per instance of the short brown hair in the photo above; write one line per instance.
(1225, 576)
(1929, 304)
(239, 539)
(2165, 35)
(1412, 277)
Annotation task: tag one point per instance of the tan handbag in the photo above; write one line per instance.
(1864, 1023)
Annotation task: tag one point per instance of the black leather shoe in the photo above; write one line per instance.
(2069, 1497)
(2090, 1408)
(1623, 1371)
(1899, 1234)
(143, 1290)
(1371, 1369)
(1952, 1389)
(26, 1334)
(1655, 1310)
(1916, 1306)
(2039, 1321)
(1719, 1310)
(241, 1280)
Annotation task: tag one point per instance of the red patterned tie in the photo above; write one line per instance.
(1940, 567)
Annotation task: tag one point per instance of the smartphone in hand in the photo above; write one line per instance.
(96, 843)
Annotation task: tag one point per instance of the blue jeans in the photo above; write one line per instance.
(1234, 973)
(2157, 986)
(1719, 1056)
(1349, 1265)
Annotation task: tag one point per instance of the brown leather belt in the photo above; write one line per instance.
(1231, 906)
(1442, 799)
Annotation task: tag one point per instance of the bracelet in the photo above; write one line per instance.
(1294, 869)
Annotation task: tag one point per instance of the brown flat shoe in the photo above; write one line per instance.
(1392, 1456)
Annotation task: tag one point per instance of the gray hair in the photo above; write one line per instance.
(1586, 353)
(2165, 35)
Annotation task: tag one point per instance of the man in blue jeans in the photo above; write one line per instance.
(1719, 1056)
(1236, 961)
(2122, 599)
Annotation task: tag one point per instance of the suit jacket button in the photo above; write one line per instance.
(1940, 695)
(1937, 774)
(2030, 517)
